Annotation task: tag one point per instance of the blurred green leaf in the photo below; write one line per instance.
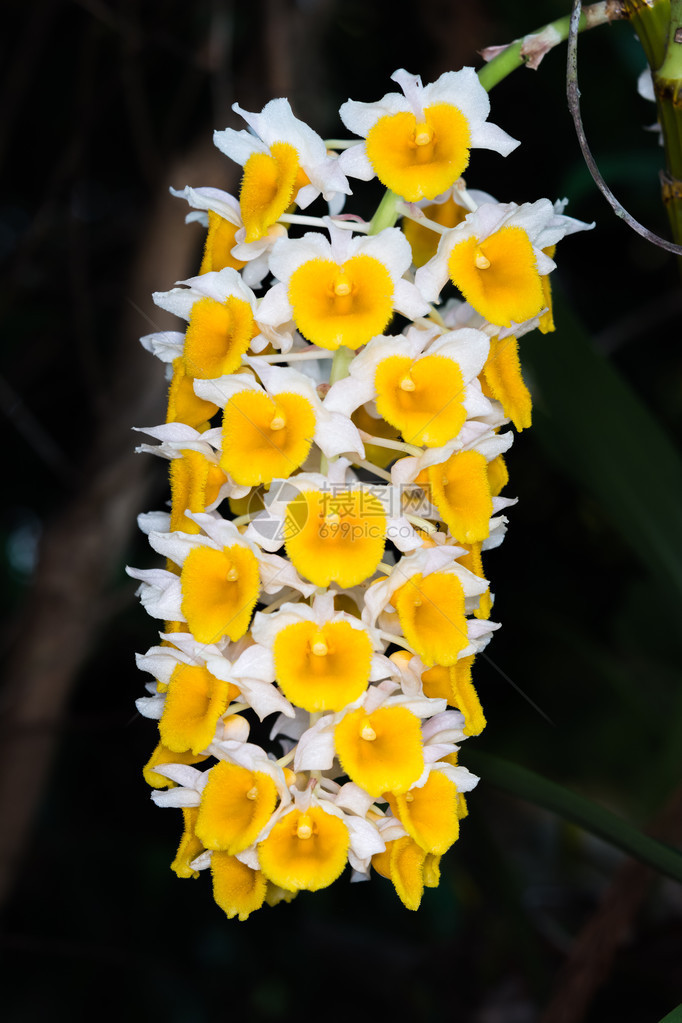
(673, 1017)
(581, 811)
(606, 439)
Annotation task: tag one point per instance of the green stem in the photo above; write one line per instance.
(556, 32)
(386, 213)
(658, 24)
(650, 20)
(581, 811)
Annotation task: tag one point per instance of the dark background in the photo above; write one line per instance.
(103, 105)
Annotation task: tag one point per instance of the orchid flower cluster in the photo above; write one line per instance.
(335, 435)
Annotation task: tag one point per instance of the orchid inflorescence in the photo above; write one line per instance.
(342, 483)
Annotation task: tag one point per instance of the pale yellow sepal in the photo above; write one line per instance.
(236, 804)
(237, 889)
(305, 850)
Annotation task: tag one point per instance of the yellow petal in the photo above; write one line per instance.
(431, 613)
(403, 864)
(268, 188)
(424, 241)
(382, 751)
(473, 561)
(217, 336)
(547, 319)
(195, 484)
(420, 160)
(431, 870)
(219, 244)
(305, 850)
(322, 667)
(161, 756)
(183, 404)
(429, 814)
(236, 804)
(497, 475)
(189, 847)
(341, 305)
(498, 276)
(195, 701)
(336, 536)
(219, 592)
(423, 399)
(237, 889)
(266, 438)
(460, 491)
(504, 381)
(454, 685)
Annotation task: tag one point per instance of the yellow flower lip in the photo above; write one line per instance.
(382, 751)
(498, 275)
(219, 591)
(322, 667)
(337, 536)
(305, 850)
(420, 159)
(341, 304)
(265, 437)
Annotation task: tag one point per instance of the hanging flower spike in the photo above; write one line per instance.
(341, 292)
(341, 592)
(418, 143)
(285, 161)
